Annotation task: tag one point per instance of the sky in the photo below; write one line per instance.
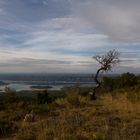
(62, 36)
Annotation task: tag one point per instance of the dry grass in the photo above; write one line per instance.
(77, 118)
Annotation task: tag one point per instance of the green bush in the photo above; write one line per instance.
(42, 97)
(108, 83)
(124, 80)
(10, 95)
(128, 79)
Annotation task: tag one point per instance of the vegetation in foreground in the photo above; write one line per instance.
(115, 115)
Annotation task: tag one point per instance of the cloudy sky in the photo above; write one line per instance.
(62, 35)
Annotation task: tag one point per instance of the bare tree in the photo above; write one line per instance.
(107, 62)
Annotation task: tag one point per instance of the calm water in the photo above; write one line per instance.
(56, 81)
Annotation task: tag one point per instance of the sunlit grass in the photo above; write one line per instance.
(75, 117)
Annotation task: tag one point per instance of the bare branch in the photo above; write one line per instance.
(106, 61)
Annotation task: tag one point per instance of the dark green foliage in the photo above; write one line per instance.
(128, 80)
(138, 80)
(122, 81)
(10, 95)
(49, 96)
(43, 97)
(108, 83)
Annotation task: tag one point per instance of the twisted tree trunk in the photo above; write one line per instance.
(93, 97)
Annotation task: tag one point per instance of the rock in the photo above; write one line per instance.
(29, 117)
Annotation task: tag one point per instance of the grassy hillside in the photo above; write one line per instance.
(114, 115)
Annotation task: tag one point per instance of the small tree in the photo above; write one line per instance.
(107, 62)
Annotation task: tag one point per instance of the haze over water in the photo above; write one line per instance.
(53, 81)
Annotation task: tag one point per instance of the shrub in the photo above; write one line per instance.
(124, 80)
(108, 83)
(10, 95)
(73, 96)
(43, 97)
(128, 79)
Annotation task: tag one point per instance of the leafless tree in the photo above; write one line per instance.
(107, 62)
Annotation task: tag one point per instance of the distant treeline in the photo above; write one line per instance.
(122, 81)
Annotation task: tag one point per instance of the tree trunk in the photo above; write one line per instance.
(93, 97)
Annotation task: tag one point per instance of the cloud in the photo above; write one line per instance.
(31, 62)
(58, 38)
(117, 19)
(44, 65)
(63, 35)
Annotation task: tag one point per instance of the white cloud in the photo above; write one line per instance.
(117, 19)
(59, 36)
(92, 27)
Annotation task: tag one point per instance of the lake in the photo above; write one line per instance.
(21, 82)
